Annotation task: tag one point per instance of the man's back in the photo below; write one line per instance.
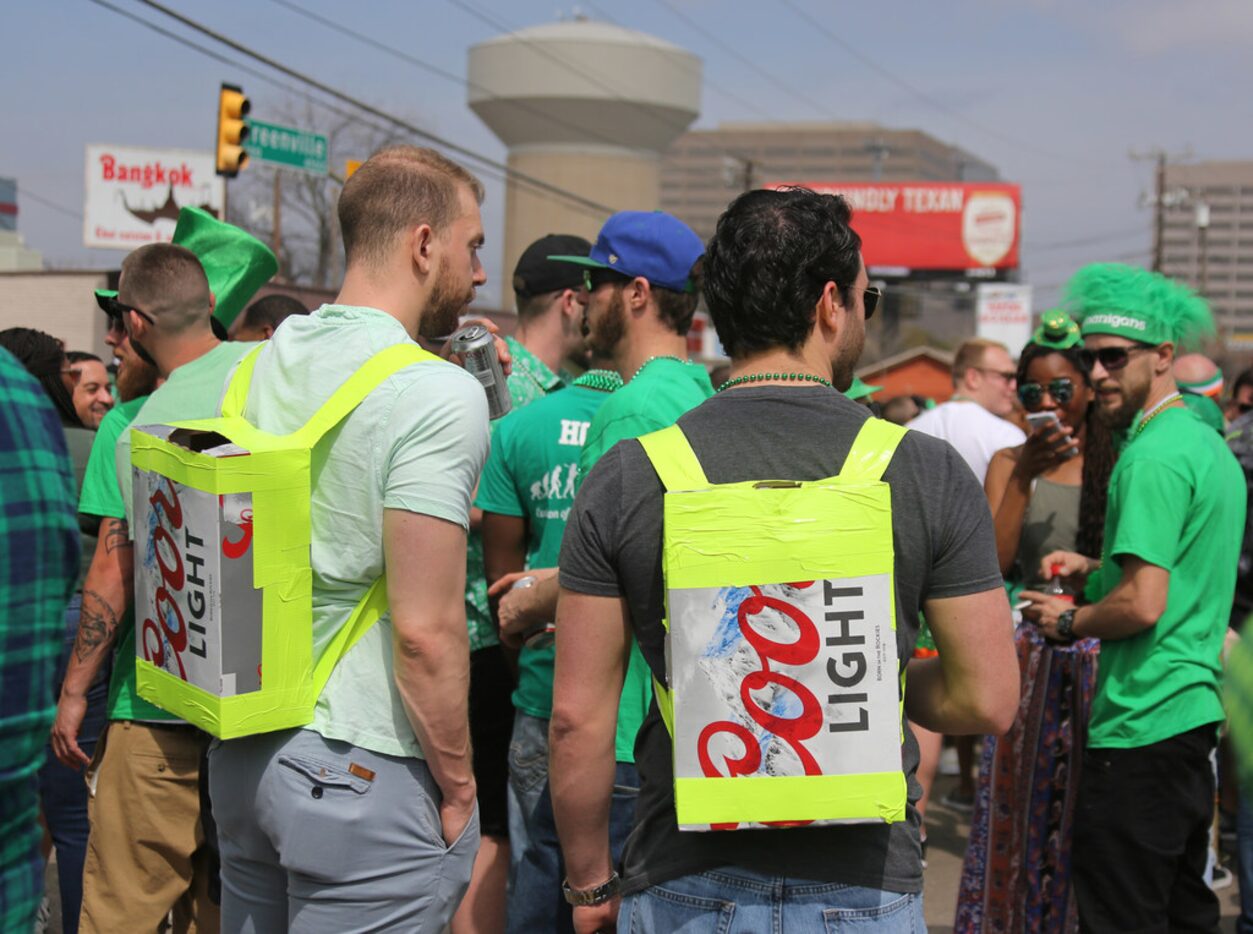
(944, 546)
(975, 432)
(416, 443)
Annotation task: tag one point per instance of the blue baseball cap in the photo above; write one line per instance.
(652, 244)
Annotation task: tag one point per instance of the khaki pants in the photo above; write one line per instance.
(146, 854)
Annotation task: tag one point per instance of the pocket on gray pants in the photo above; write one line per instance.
(322, 775)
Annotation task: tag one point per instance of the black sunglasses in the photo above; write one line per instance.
(1062, 390)
(1111, 359)
(117, 312)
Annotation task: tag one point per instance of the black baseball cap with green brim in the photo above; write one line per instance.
(235, 262)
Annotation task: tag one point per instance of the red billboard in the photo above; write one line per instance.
(932, 225)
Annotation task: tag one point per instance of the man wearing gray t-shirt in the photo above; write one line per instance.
(789, 295)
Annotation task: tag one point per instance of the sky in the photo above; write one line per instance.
(1054, 93)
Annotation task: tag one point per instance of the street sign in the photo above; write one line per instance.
(287, 147)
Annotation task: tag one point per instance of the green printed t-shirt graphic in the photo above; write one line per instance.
(1184, 514)
(102, 496)
(661, 391)
(529, 379)
(531, 473)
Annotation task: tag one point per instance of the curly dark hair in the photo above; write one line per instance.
(770, 257)
(1099, 453)
(43, 356)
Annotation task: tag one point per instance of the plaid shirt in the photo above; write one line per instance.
(39, 545)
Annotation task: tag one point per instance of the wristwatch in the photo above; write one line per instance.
(1066, 625)
(594, 896)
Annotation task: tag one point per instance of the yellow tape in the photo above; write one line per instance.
(276, 471)
(790, 798)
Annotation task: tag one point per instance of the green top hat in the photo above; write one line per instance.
(235, 262)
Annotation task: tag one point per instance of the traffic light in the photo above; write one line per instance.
(232, 130)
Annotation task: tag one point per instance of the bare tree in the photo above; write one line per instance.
(309, 252)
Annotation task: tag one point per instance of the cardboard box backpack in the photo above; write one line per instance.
(784, 695)
(223, 582)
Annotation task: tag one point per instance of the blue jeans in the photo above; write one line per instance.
(528, 778)
(62, 791)
(736, 901)
(536, 902)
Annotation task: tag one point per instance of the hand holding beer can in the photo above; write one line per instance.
(477, 348)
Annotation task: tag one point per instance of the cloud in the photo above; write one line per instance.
(1152, 27)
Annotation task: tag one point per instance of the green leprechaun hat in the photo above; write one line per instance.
(1057, 331)
(235, 262)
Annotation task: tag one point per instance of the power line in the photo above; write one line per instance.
(24, 192)
(923, 96)
(1094, 240)
(436, 70)
(744, 59)
(705, 82)
(577, 200)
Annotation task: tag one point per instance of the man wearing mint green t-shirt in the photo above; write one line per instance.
(1161, 594)
(526, 493)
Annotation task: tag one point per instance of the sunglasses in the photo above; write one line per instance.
(1112, 359)
(1061, 390)
(593, 279)
(117, 313)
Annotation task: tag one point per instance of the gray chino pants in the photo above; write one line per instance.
(322, 836)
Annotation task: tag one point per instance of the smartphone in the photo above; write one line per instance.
(1043, 420)
(1048, 421)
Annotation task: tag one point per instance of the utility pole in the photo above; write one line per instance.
(1160, 199)
(276, 241)
(1202, 229)
(878, 151)
(737, 172)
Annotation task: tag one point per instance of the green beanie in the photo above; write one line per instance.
(1126, 301)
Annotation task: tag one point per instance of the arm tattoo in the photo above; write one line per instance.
(116, 535)
(97, 625)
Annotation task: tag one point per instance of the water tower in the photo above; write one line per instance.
(588, 107)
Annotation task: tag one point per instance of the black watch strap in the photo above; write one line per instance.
(594, 896)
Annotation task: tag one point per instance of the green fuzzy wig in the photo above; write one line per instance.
(1126, 301)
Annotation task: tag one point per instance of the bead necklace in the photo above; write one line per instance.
(600, 380)
(774, 377)
(1156, 411)
(664, 356)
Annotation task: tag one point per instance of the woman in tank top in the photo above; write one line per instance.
(1046, 494)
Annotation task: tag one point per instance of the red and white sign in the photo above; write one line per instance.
(785, 680)
(1003, 313)
(932, 225)
(134, 194)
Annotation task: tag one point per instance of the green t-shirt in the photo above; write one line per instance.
(529, 379)
(531, 474)
(102, 496)
(661, 391)
(1176, 500)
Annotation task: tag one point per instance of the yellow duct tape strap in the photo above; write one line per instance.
(700, 801)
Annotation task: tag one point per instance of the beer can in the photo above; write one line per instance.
(477, 348)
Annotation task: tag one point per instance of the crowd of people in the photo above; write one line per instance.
(645, 655)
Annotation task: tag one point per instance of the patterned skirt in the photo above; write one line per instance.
(1016, 875)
